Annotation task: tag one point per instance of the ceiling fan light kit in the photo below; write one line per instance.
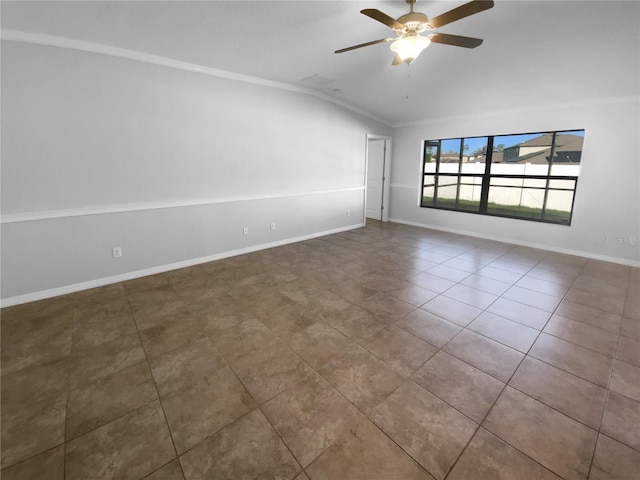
(409, 43)
(409, 47)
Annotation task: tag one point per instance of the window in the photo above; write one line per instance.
(529, 176)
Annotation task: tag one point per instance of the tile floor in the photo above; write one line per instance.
(387, 352)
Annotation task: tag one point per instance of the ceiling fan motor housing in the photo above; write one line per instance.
(414, 21)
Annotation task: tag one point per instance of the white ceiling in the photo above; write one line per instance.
(525, 43)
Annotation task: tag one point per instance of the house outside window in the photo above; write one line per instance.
(529, 176)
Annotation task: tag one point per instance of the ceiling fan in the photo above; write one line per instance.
(409, 43)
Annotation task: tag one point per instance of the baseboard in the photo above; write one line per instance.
(549, 248)
(100, 282)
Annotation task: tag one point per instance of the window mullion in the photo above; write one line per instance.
(486, 177)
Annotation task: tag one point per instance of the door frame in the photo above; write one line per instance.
(385, 175)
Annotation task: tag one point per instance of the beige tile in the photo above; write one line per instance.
(573, 396)
(628, 351)
(288, 318)
(127, 448)
(171, 471)
(552, 439)
(580, 361)
(614, 461)
(599, 301)
(386, 307)
(448, 273)
(404, 352)
(486, 284)
(248, 449)
(590, 316)
(30, 341)
(361, 378)
(357, 323)
(489, 458)
(365, 453)
(170, 335)
(32, 428)
(520, 313)
(185, 366)
(464, 265)
(93, 362)
(597, 287)
(429, 327)
(425, 427)
(242, 336)
(582, 334)
(269, 370)
(462, 386)
(532, 298)
(431, 282)
(471, 296)
(553, 273)
(432, 256)
(34, 384)
(222, 316)
(509, 264)
(410, 293)
(46, 466)
(543, 286)
(498, 274)
(310, 417)
(630, 328)
(266, 301)
(324, 304)
(491, 357)
(96, 403)
(625, 380)
(205, 407)
(621, 420)
(452, 310)
(354, 291)
(103, 324)
(507, 332)
(318, 344)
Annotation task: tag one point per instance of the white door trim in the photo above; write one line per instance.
(386, 175)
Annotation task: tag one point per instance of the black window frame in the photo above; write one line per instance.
(487, 177)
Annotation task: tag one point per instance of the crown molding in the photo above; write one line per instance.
(101, 49)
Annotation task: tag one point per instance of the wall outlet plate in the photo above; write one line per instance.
(245, 231)
(116, 252)
(272, 226)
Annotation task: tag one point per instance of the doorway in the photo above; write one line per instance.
(377, 174)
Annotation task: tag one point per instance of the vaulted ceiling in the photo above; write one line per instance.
(526, 44)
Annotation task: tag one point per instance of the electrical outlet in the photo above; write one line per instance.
(272, 226)
(116, 252)
(245, 231)
(348, 213)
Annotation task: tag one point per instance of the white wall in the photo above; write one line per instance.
(606, 216)
(100, 151)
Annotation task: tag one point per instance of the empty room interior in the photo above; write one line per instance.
(308, 240)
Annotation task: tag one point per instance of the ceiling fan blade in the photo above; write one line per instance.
(382, 18)
(397, 60)
(456, 40)
(382, 40)
(471, 8)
